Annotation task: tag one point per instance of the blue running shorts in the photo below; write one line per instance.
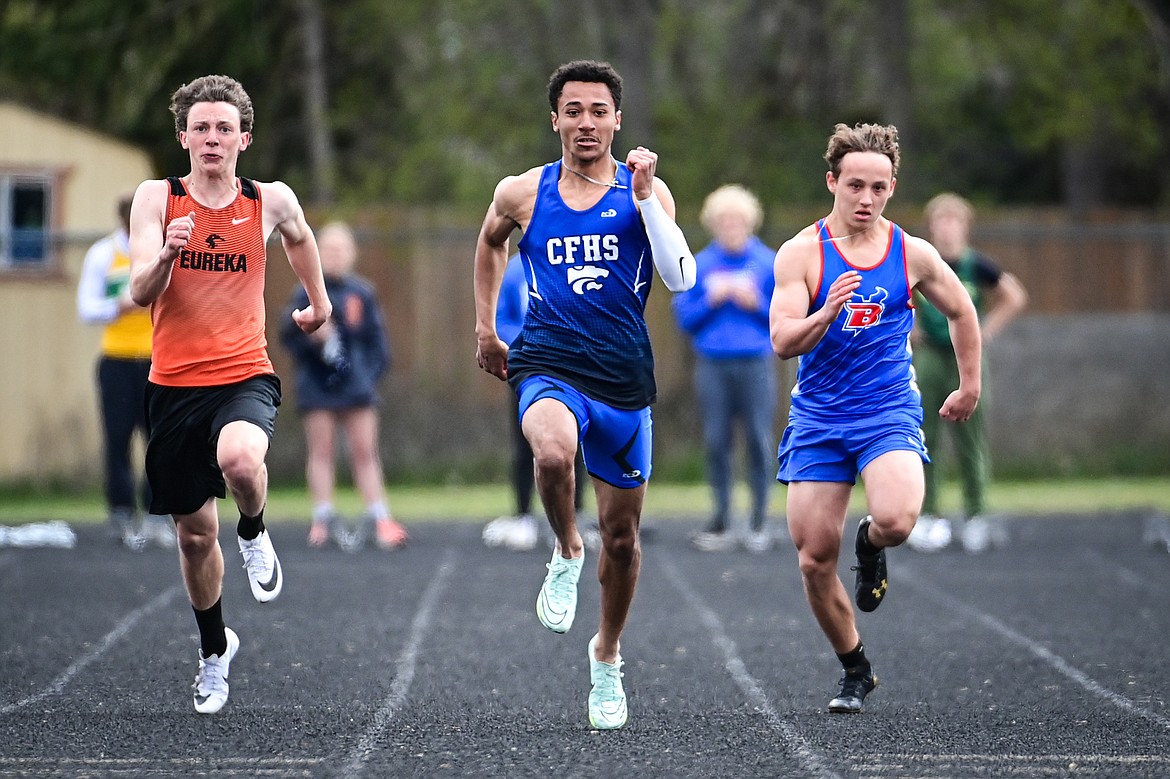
(812, 451)
(616, 442)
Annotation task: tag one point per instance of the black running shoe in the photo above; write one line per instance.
(854, 688)
(871, 572)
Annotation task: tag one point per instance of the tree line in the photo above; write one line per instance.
(1050, 102)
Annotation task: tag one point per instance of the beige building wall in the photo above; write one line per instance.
(48, 405)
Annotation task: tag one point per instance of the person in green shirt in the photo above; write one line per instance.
(999, 297)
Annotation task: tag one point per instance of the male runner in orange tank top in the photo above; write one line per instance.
(197, 259)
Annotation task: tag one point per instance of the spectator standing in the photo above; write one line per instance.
(726, 316)
(103, 298)
(998, 297)
(338, 370)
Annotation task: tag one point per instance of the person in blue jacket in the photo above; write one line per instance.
(338, 370)
(726, 316)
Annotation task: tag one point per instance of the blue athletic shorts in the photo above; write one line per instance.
(615, 442)
(811, 452)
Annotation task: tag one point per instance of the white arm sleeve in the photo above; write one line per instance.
(672, 256)
(93, 307)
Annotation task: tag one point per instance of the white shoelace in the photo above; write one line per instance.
(561, 584)
(255, 559)
(209, 679)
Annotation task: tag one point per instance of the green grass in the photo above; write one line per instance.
(664, 500)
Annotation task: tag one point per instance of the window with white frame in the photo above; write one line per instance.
(25, 221)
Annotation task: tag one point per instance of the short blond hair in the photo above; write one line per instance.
(731, 198)
(949, 203)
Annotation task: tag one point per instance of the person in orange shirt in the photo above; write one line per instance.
(197, 253)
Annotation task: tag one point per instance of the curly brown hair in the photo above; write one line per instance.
(212, 89)
(879, 138)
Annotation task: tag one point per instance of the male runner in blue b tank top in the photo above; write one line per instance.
(594, 232)
(843, 305)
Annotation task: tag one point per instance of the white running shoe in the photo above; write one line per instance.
(211, 681)
(976, 535)
(495, 531)
(159, 530)
(522, 535)
(556, 605)
(607, 699)
(262, 566)
(930, 534)
(757, 541)
(713, 540)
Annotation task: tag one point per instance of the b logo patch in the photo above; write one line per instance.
(865, 313)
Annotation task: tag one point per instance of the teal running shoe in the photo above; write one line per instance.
(607, 699)
(556, 605)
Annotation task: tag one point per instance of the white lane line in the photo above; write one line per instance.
(1056, 661)
(1010, 764)
(109, 640)
(404, 670)
(811, 762)
(219, 766)
(1126, 576)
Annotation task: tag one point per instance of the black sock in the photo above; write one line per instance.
(212, 638)
(250, 527)
(855, 662)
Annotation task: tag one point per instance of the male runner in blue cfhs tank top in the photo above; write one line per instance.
(594, 233)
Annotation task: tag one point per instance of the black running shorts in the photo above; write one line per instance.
(183, 425)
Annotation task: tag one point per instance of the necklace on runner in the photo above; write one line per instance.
(611, 184)
(835, 239)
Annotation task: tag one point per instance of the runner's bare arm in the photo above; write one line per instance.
(511, 207)
(153, 245)
(794, 329)
(283, 211)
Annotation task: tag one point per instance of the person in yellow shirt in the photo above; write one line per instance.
(103, 299)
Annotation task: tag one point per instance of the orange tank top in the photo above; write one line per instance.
(209, 322)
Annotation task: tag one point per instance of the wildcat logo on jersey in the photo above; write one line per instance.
(585, 278)
(866, 313)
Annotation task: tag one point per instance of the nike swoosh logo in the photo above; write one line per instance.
(270, 585)
(240, 221)
(551, 614)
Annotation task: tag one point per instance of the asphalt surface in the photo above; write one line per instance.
(1044, 658)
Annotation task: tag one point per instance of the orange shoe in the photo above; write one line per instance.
(390, 534)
